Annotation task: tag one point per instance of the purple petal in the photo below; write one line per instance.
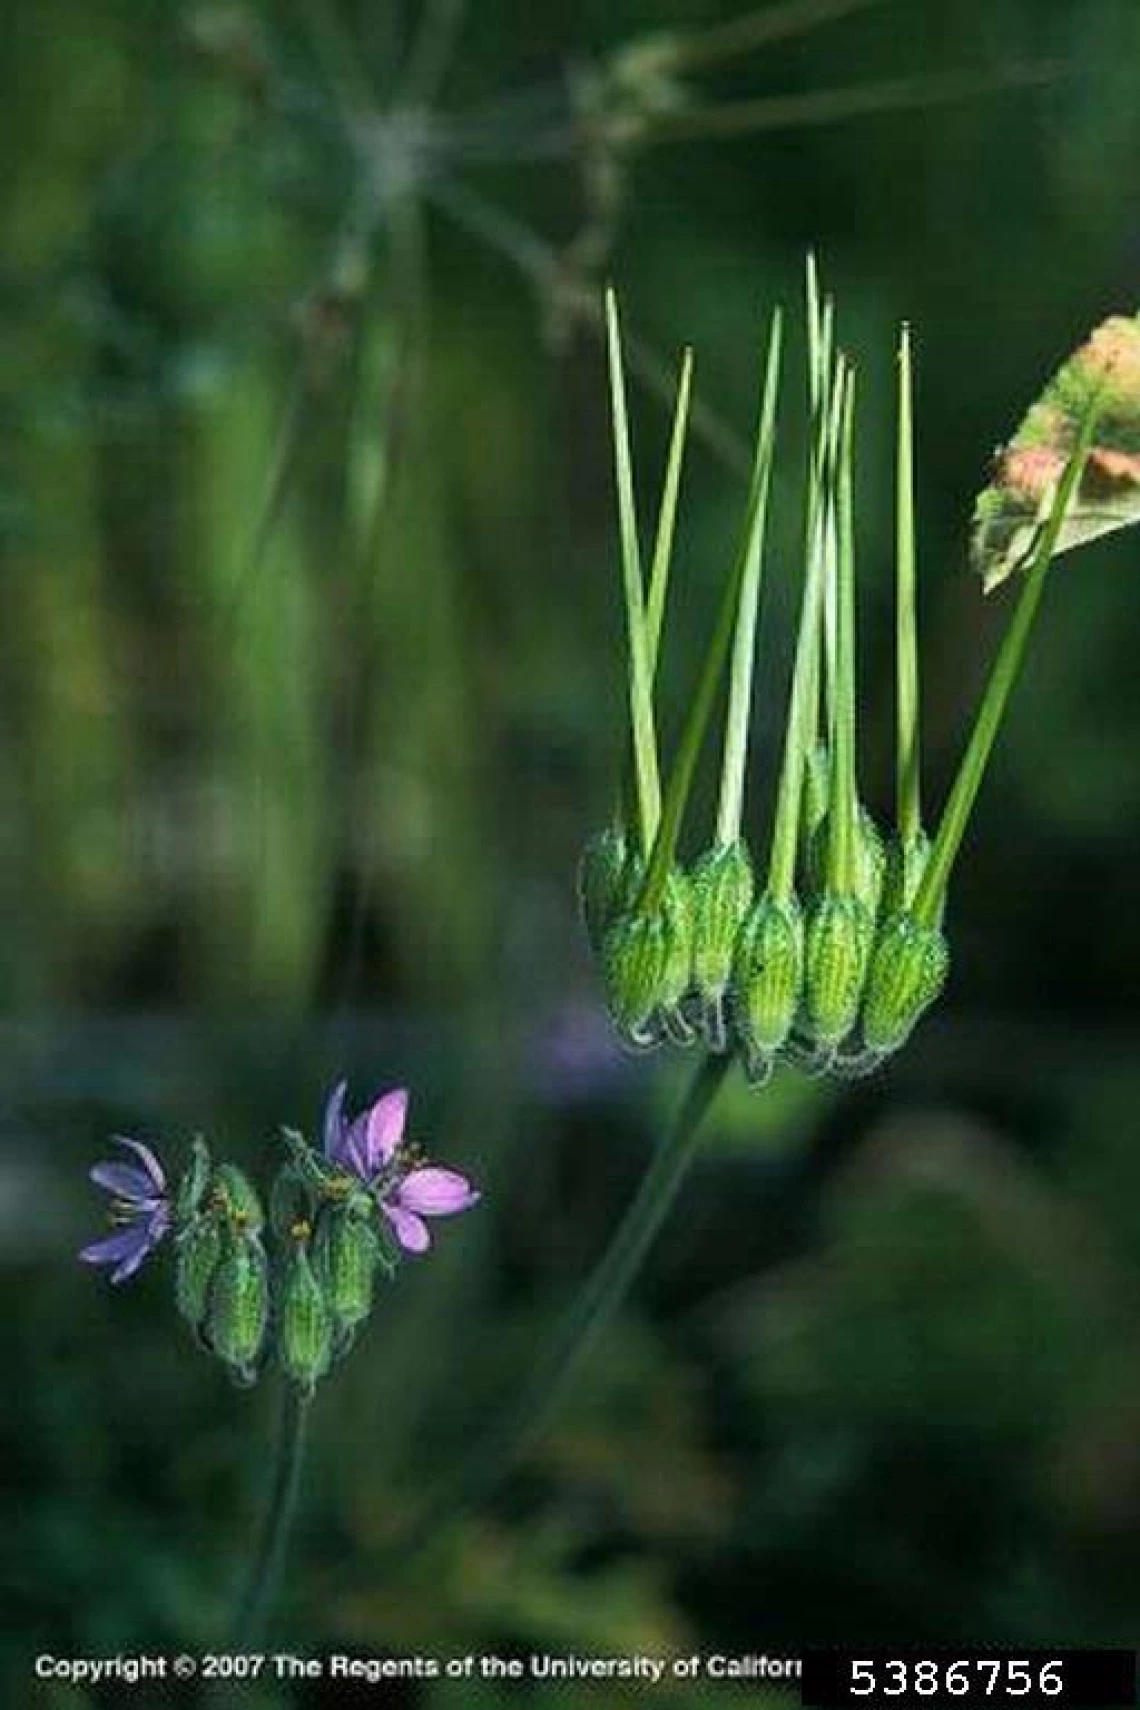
(125, 1181)
(354, 1149)
(149, 1162)
(436, 1193)
(121, 1245)
(334, 1122)
(386, 1122)
(411, 1231)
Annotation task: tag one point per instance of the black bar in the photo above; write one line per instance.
(968, 1680)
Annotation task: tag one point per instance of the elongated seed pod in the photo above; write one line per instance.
(720, 888)
(601, 875)
(647, 962)
(908, 970)
(238, 1307)
(344, 1262)
(767, 981)
(838, 946)
(304, 1322)
(198, 1251)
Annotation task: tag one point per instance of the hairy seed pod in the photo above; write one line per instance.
(192, 1187)
(871, 863)
(601, 882)
(908, 969)
(238, 1307)
(647, 961)
(198, 1252)
(906, 863)
(237, 1197)
(767, 979)
(837, 949)
(720, 888)
(304, 1324)
(344, 1260)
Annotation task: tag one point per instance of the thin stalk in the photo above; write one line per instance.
(495, 1451)
(667, 515)
(843, 806)
(739, 715)
(931, 892)
(908, 794)
(803, 706)
(684, 768)
(640, 682)
(265, 1566)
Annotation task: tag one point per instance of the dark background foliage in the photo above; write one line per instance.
(311, 691)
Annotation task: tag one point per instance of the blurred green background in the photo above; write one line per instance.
(311, 691)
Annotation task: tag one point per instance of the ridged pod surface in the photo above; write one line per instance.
(647, 959)
(838, 947)
(909, 966)
(304, 1322)
(767, 976)
(238, 1198)
(720, 888)
(238, 1307)
(344, 1261)
(197, 1253)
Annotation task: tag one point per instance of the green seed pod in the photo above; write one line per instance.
(304, 1321)
(198, 1251)
(192, 1187)
(838, 946)
(720, 888)
(908, 969)
(906, 863)
(238, 1306)
(290, 1201)
(601, 882)
(344, 1261)
(767, 978)
(237, 1198)
(647, 962)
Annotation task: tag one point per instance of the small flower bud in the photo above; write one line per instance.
(192, 1187)
(839, 933)
(647, 962)
(908, 969)
(237, 1197)
(304, 1321)
(766, 981)
(198, 1251)
(602, 874)
(720, 887)
(239, 1303)
(345, 1255)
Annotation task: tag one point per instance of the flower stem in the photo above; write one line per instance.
(493, 1454)
(265, 1566)
(908, 792)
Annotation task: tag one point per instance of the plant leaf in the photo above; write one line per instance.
(1010, 514)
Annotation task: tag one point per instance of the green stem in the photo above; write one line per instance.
(931, 894)
(265, 1566)
(744, 644)
(842, 806)
(493, 1454)
(909, 797)
(641, 676)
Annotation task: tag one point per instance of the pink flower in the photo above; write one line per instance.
(407, 1188)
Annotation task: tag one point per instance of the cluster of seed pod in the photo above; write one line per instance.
(835, 981)
(294, 1288)
(829, 958)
